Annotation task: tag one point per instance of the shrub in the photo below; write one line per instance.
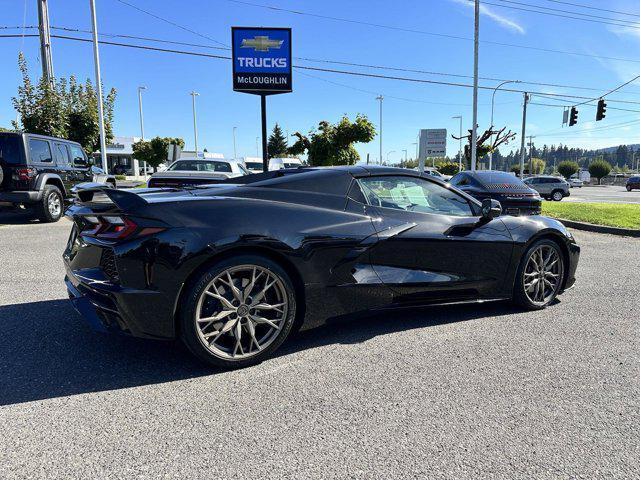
(121, 177)
(448, 168)
(599, 169)
(568, 168)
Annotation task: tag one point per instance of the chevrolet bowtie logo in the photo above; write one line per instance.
(261, 43)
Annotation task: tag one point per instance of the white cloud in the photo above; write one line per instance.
(507, 23)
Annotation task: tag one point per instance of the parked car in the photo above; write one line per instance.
(549, 187)
(253, 166)
(515, 197)
(435, 173)
(280, 163)
(197, 171)
(39, 172)
(293, 248)
(633, 183)
(575, 183)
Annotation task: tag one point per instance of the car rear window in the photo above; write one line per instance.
(11, 149)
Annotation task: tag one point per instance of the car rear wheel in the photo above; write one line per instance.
(50, 208)
(628, 188)
(238, 312)
(540, 275)
(557, 195)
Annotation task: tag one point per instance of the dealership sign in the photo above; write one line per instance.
(433, 143)
(261, 60)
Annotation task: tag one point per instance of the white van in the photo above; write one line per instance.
(280, 163)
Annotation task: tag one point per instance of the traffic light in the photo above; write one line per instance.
(573, 116)
(602, 110)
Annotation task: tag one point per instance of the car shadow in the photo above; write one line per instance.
(17, 217)
(48, 351)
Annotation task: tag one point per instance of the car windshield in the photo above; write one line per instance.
(200, 166)
(291, 165)
(243, 170)
(10, 151)
(254, 165)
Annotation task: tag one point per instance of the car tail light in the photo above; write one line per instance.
(114, 227)
(25, 174)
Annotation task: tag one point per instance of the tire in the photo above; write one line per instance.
(628, 188)
(261, 330)
(557, 195)
(531, 298)
(51, 207)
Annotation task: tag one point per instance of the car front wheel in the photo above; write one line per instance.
(628, 188)
(540, 275)
(557, 195)
(238, 312)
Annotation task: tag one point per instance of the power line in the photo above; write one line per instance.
(589, 7)
(600, 17)
(336, 62)
(572, 17)
(158, 17)
(328, 70)
(424, 32)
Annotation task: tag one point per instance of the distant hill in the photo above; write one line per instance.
(634, 146)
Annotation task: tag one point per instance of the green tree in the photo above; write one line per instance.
(538, 166)
(448, 168)
(154, 151)
(599, 168)
(277, 145)
(568, 168)
(63, 109)
(333, 144)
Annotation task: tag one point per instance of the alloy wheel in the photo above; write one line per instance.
(557, 196)
(54, 205)
(241, 311)
(543, 274)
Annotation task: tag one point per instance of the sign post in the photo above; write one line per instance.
(432, 143)
(262, 66)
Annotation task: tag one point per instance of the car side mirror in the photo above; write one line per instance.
(491, 209)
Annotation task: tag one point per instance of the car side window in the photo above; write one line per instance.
(61, 154)
(40, 151)
(460, 180)
(414, 195)
(77, 156)
(222, 167)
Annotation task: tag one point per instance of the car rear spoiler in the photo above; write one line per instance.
(95, 193)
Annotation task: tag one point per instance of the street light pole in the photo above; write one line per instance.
(195, 125)
(380, 98)
(96, 59)
(476, 42)
(524, 133)
(493, 99)
(235, 154)
(144, 164)
(459, 117)
(405, 156)
(388, 153)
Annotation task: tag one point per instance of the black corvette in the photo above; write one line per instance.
(233, 269)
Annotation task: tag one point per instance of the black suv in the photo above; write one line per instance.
(39, 172)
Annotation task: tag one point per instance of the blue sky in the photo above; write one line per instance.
(169, 78)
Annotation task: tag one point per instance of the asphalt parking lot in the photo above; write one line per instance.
(603, 194)
(482, 391)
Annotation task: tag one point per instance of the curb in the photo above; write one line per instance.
(590, 227)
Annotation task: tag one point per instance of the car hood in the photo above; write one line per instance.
(522, 228)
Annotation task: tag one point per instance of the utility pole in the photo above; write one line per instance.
(524, 133)
(459, 117)
(531, 137)
(45, 41)
(474, 127)
(135, 162)
(235, 154)
(381, 98)
(96, 59)
(195, 124)
(405, 156)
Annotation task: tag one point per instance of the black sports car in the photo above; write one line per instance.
(233, 269)
(516, 197)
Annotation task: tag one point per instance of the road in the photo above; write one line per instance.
(483, 391)
(603, 194)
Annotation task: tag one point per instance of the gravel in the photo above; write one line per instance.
(482, 391)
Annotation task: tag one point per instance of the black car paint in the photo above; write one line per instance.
(516, 199)
(342, 255)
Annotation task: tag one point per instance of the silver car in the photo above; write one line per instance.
(197, 171)
(549, 187)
